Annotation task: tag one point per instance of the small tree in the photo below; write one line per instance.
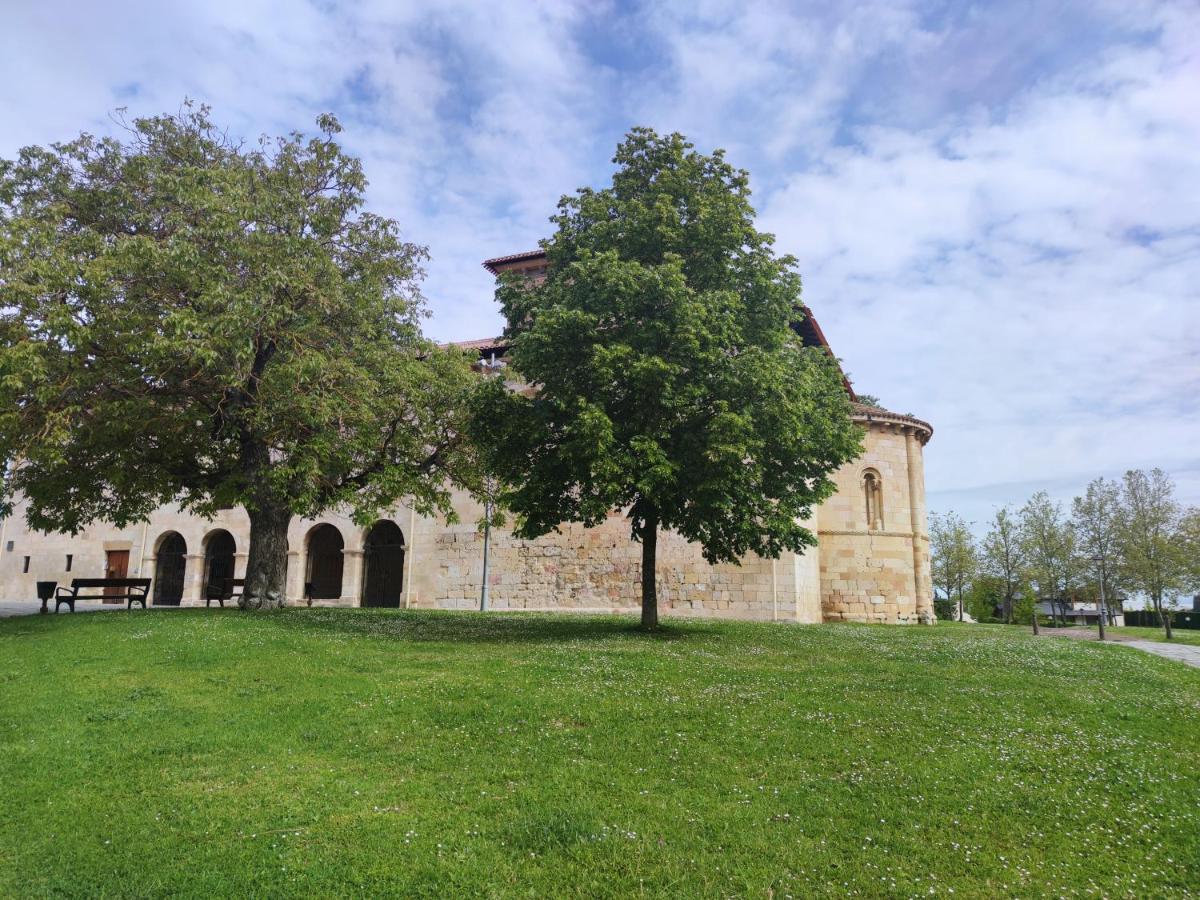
(668, 378)
(984, 598)
(1048, 547)
(186, 319)
(1003, 558)
(1097, 517)
(1154, 540)
(955, 558)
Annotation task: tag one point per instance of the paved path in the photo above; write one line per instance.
(33, 607)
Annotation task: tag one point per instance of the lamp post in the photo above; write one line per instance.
(1103, 610)
(493, 367)
(487, 540)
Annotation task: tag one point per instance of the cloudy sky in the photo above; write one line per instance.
(996, 205)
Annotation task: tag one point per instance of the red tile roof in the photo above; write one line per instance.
(492, 264)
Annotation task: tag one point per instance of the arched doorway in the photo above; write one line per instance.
(383, 565)
(169, 564)
(325, 563)
(219, 550)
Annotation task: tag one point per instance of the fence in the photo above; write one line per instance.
(1148, 617)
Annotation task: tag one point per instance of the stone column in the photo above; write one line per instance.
(239, 564)
(295, 578)
(922, 594)
(410, 557)
(352, 576)
(193, 580)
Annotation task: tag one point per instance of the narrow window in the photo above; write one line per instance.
(25, 567)
(873, 498)
(10, 546)
(70, 557)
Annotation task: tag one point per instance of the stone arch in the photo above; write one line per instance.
(220, 554)
(170, 566)
(325, 562)
(383, 565)
(872, 485)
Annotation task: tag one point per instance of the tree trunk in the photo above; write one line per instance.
(1164, 616)
(1035, 614)
(649, 557)
(266, 568)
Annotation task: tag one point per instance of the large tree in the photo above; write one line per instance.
(668, 379)
(1049, 548)
(954, 557)
(1154, 536)
(1002, 557)
(184, 318)
(1097, 516)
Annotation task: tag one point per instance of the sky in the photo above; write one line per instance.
(995, 205)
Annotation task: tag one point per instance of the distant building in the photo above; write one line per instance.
(1082, 612)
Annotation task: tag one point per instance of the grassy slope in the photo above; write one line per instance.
(332, 752)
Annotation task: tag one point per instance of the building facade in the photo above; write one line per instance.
(871, 563)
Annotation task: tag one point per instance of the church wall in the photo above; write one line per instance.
(869, 570)
(598, 570)
(858, 573)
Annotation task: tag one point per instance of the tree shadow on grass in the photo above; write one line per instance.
(423, 626)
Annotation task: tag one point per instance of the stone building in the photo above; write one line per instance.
(871, 565)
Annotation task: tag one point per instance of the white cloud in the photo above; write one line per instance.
(994, 205)
(985, 273)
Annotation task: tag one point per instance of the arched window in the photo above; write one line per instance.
(873, 496)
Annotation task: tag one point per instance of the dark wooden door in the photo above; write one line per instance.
(383, 561)
(169, 568)
(116, 565)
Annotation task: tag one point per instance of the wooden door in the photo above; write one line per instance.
(116, 565)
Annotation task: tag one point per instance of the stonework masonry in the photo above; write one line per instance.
(861, 570)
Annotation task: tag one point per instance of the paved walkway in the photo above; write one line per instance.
(10, 608)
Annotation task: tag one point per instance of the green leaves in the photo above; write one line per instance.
(665, 366)
(185, 318)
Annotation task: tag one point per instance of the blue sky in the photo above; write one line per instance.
(996, 206)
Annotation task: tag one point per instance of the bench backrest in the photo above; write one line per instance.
(110, 582)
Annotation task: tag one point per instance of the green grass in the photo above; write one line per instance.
(338, 752)
(1178, 635)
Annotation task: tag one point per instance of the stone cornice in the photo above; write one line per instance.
(874, 415)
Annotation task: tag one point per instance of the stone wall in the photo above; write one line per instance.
(859, 572)
(878, 571)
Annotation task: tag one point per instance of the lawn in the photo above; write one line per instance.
(341, 752)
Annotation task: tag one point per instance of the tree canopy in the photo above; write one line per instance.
(954, 558)
(667, 376)
(188, 319)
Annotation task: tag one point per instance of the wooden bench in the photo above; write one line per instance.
(131, 590)
(223, 589)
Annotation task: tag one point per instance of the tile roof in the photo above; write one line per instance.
(491, 264)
